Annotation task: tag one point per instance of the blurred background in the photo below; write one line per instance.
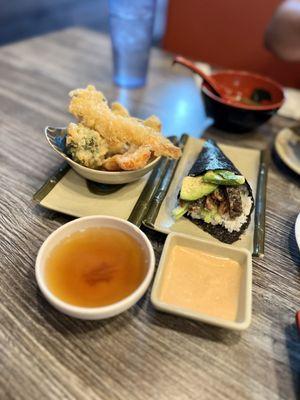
(223, 33)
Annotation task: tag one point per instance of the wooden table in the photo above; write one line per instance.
(141, 354)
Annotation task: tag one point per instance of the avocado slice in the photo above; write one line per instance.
(193, 188)
(179, 211)
(208, 215)
(222, 177)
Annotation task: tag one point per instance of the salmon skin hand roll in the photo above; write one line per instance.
(216, 196)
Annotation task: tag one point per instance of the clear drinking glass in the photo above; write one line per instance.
(131, 29)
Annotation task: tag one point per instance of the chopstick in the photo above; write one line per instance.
(142, 205)
(163, 187)
(260, 206)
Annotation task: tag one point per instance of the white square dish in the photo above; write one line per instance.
(241, 256)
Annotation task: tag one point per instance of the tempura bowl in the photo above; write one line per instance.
(108, 177)
(111, 177)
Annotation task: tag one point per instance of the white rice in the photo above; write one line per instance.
(228, 223)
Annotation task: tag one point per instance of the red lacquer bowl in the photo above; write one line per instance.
(234, 115)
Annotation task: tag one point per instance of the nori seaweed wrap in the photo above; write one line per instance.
(211, 158)
(215, 196)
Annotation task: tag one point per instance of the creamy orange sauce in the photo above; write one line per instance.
(201, 282)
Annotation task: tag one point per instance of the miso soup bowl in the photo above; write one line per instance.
(239, 117)
(97, 221)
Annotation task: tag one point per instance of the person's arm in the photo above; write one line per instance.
(282, 36)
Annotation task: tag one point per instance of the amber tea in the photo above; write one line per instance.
(95, 267)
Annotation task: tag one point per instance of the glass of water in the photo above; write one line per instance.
(131, 29)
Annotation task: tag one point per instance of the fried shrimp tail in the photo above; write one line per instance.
(92, 110)
(134, 158)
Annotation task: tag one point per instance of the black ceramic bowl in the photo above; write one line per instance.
(237, 116)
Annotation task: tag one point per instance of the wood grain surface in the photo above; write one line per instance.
(141, 354)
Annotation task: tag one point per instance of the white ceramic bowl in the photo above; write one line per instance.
(107, 177)
(81, 224)
(242, 256)
(111, 177)
(297, 230)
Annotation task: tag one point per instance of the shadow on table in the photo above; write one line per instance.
(66, 325)
(193, 328)
(50, 215)
(143, 311)
(69, 326)
(292, 342)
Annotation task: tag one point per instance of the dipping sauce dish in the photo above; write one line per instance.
(95, 267)
(205, 281)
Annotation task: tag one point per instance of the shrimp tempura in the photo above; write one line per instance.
(91, 108)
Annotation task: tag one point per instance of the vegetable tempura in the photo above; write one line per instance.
(115, 124)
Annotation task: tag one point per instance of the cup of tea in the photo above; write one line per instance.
(95, 267)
